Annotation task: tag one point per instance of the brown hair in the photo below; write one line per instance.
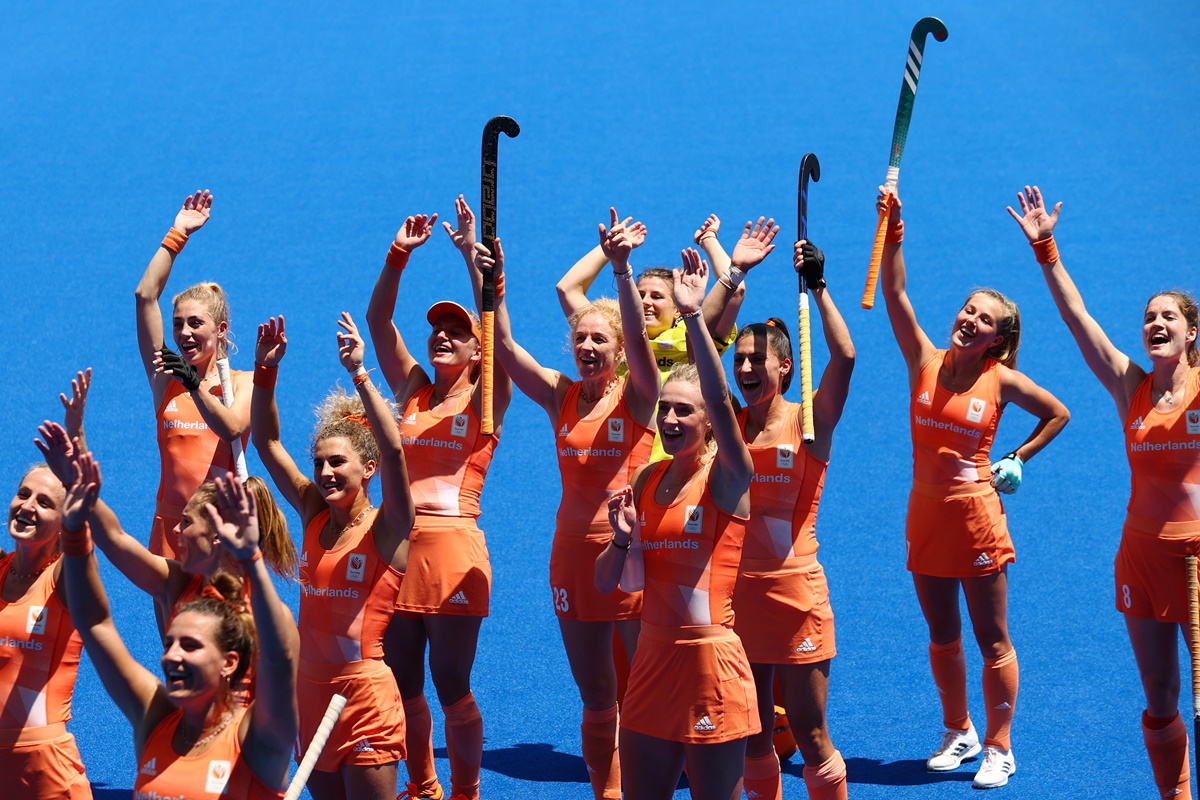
(1187, 307)
(279, 551)
(212, 296)
(235, 626)
(778, 340)
(1008, 326)
(343, 415)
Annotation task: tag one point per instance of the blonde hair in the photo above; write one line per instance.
(343, 415)
(212, 297)
(610, 310)
(1007, 326)
(278, 549)
(683, 372)
(1187, 307)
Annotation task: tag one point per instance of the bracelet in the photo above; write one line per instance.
(625, 547)
(76, 543)
(895, 233)
(734, 278)
(689, 314)
(625, 274)
(397, 257)
(248, 561)
(264, 376)
(361, 376)
(175, 240)
(1045, 250)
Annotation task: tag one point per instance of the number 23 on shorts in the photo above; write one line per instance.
(560, 599)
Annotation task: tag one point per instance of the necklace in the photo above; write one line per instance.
(608, 387)
(25, 576)
(187, 738)
(352, 522)
(441, 398)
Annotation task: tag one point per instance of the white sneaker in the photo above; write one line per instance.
(956, 747)
(996, 767)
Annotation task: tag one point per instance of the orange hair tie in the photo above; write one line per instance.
(366, 423)
(770, 323)
(175, 240)
(1045, 250)
(397, 257)
(212, 593)
(895, 233)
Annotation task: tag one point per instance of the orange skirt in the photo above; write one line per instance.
(43, 764)
(782, 611)
(1150, 570)
(573, 578)
(957, 534)
(449, 571)
(370, 730)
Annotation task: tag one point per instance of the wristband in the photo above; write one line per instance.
(735, 276)
(619, 274)
(397, 257)
(264, 376)
(248, 561)
(361, 376)
(895, 232)
(689, 314)
(625, 547)
(1045, 250)
(76, 543)
(498, 287)
(175, 240)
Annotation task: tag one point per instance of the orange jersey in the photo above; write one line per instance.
(220, 772)
(190, 453)
(447, 455)
(597, 454)
(347, 596)
(1164, 460)
(784, 494)
(952, 433)
(691, 550)
(39, 656)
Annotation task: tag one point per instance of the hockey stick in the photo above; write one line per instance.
(239, 454)
(908, 95)
(487, 198)
(1194, 647)
(332, 712)
(809, 168)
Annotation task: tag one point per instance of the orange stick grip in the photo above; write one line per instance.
(488, 370)
(868, 298)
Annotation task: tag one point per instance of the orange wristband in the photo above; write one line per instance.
(361, 378)
(76, 543)
(265, 376)
(397, 258)
(175, 240)
(256, 557)
(895, 233)
(498, 288)
(1045, 250)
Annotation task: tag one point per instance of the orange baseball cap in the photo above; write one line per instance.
(444, 307)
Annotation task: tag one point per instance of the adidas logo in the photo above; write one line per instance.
(459, 598)
(806, 646)
(171, 407)
(411, 419)
(364, 747)
(923, 399)
(1137, 425)
(983, 560)
(751, 794)
(705, 724)
(563, 430)
(304, 559)
(150, 768)
(1002, 707)
(1173, 792)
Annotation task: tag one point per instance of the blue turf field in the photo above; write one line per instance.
(318, 130)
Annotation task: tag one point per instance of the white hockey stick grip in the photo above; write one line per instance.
(239, 455)
(332, 712)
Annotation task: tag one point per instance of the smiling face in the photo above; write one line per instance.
(198, 553)
(339, 471)
(1167, 334)
(682, 418)
(595, 346)
(758, 369)
(197, 335)
(35, 512)
(658, 304)
(452, 345)
(977, 323)
(195, 668)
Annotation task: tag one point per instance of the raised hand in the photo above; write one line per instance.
(272, 342)
(808, 260)
(350, 344)
(59, 451)
(755, 244)
(484, 260)
(195, 212)
(690, 282)
(74, 405)
(234, 517)
(83, 492)
(884, 193)
(415, 232)
(173, 365)
(709, 229)
(622, 515)
(616, 241)
(464, 237)
(1034, 220)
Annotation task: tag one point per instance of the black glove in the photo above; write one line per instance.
(178, 368)
(814, 265)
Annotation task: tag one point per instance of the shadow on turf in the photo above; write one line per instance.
(110, 794)
(540, 763)
(894, 773)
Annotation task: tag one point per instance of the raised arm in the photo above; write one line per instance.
(915, 346)
(616, 242)
(721, 304)
(274, 717)
(132, 687)
(573, 287)
(706, 238)
(1119, 375)
(830, 398)
(403, 372)
(191, 218)
(546, 387)
(300, 492)
(74, 406)
(396, 512)
(729, 481)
